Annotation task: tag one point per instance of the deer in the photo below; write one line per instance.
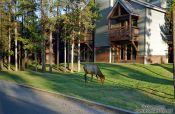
(93, 69)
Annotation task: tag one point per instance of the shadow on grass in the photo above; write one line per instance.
(135, 74)
(11, 76)
(168, 67)
(160, 65)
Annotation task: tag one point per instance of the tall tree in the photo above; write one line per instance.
(170, 28)
(8, 11)
(173, 17)
(15, 13)
(57, 27)
(30, 37)
(6, 24)
(43, 15)
(87, 13)
(50, 36)
(3, 31)
(174, 47)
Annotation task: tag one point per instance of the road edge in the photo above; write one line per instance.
(80, 100)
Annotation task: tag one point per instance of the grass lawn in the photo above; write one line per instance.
(127, 86)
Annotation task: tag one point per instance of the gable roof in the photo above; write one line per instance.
(130, 9)
(126, 5)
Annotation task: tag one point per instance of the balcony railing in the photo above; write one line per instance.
(123, 33)
(87, 38)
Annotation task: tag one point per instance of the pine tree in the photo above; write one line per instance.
(43, 24)
(31, 31)
(4, 27)
(85, 15)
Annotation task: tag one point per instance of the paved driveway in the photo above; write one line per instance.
(15, 99)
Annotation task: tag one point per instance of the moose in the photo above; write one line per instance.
(93, 69)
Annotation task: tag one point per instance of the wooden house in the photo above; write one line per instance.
(130, 32)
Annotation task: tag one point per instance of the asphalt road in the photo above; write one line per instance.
(15, 99)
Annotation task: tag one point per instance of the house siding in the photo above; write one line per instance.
(155, 45)
(102, 44)
(101, 32)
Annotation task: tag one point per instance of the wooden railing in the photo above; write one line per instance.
(123, 33)
(87, 38)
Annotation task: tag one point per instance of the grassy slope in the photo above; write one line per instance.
(127, 85)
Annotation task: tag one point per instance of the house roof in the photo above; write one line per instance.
(131, 10)
(149, 5)
(128, 7)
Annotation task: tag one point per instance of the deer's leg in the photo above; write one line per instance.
(96, 77)
(102, 81)
(85, 77)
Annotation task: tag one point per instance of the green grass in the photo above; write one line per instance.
(127, 86)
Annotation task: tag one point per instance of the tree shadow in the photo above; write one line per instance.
(170, 68)
(138, 75)
(137, 65)
(9, 76)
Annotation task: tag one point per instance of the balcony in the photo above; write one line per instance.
(87, 38)
(123, 33)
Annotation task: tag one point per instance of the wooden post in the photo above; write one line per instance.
(131, 53)
(174, 49)
(109, 24)
(110, 55)
(125, 52)
(119, 10)
(130, 27)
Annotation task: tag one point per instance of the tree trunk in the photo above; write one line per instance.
(43, 56)
(58, 44)
(58, 53)
(68, 54)
(50, 39)
(43, 42)
(9, 49)
(72, 54)
(36, 62)
(79, 45)
(174, 49)
(79, 54)
(16, 50)
(19, 55)
(1, 63)
(50, 52)
(65, 56)
(25, 59)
